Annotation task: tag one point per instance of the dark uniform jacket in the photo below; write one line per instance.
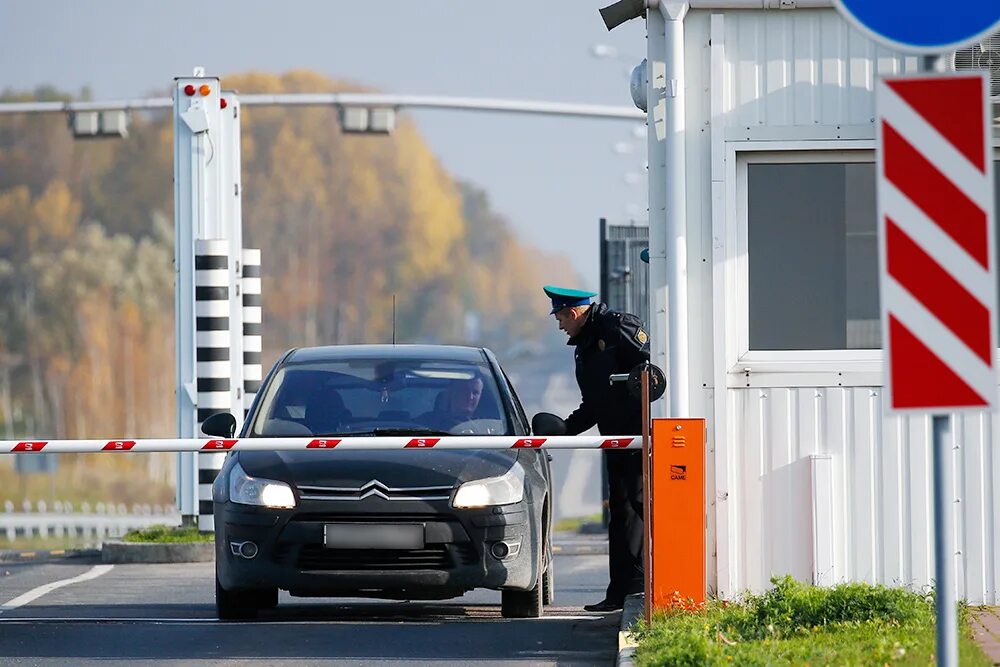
(609, 342)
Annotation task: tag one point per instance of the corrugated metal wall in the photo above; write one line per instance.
(802, 67)
(803, 75)
(883, 516)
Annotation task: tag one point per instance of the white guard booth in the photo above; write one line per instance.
(805, 475)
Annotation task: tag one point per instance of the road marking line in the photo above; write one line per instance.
(285, 622)
(36, 593)
(10, 620)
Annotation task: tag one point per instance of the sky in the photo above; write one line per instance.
(552, 177)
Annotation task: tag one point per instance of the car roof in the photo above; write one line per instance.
(422, 352)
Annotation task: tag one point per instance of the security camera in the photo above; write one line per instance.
(623, 10)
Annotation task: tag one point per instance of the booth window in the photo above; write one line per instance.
(813, 256)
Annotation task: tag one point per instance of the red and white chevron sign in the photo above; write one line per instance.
(937, 268)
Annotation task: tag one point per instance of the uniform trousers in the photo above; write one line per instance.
(625, 524)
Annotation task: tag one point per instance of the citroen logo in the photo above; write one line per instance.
(374, 488)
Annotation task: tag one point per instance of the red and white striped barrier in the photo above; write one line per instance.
(315, 444)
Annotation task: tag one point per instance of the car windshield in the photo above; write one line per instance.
(380, 396)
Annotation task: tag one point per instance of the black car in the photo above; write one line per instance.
(406, 524)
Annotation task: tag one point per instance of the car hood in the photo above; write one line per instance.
(396, 469)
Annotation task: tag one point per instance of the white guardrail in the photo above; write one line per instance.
(105, 520)
(297, 444)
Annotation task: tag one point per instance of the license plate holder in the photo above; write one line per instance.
(373, 536)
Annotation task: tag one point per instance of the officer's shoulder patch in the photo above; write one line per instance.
(641, 336)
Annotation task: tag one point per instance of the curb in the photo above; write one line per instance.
(631, 614)
(37, 555)
(580, 548)
(147, 552)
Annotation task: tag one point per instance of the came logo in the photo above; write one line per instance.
(678, 472)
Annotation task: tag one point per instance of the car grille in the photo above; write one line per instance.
(376, 489)
(432, 557)
(374, 517)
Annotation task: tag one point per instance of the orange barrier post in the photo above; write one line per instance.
(676, 529)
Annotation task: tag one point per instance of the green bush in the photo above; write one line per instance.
(794, 608)
(796, 624)
(168, 534)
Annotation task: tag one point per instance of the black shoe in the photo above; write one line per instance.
(604, 605)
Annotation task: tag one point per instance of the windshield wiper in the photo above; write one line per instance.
(380, 430)
(416, 430)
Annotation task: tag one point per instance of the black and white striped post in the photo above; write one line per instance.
(252, 327)
(213, 338)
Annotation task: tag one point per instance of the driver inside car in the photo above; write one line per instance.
(456, 404)
(326, 413)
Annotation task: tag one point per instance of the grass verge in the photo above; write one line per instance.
(797, 624)
(572, 524)
(167, 535)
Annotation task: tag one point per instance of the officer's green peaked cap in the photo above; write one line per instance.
(564, 297)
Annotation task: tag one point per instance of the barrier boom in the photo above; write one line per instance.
(368, 443)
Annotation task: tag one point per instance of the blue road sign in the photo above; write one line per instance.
(923, 26)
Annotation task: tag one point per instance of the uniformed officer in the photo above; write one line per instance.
(609, 342)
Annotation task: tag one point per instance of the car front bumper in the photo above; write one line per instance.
(456, 555)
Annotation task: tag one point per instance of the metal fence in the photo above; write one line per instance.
(624, 276)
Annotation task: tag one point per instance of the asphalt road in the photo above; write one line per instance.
(547, 384)
(164, 615)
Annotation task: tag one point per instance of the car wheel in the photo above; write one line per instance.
(524, 604)
(549, 583)
(234, 605)
(266, 598)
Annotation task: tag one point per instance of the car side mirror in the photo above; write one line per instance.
(546, 423)
(221, 425)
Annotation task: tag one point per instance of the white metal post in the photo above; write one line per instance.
(676, 198)
(668, 209)
(232, 229)
(196, 130)
(656, 157)
(944, 553)
(218, 283)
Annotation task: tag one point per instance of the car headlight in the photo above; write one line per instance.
(247, 490)
(503, 490)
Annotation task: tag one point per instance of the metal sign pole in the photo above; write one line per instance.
(647, 515)
(944, 562)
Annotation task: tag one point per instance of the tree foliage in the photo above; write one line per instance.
(346, 223)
